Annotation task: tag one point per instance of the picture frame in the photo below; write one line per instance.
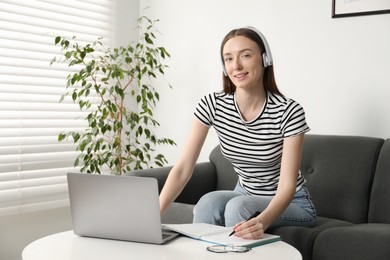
(348, 8)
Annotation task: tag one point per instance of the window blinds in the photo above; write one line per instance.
(33, 164)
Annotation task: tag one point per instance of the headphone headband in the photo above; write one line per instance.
(267, 56)
(267, 52)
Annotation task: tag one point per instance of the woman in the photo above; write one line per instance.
(261, 133)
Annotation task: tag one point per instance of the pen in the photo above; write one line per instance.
(253, 216)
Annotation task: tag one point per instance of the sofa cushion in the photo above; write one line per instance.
(358, 242)
(226, 176)
(178, 213)
(302, 238)
(339, 172)
(379, 211)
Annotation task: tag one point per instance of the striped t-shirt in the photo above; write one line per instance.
(254, 148)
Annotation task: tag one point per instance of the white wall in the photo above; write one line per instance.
(338, 69)
(17, 231)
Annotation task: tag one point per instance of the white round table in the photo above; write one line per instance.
(68, 246)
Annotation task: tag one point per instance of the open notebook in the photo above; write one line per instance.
(218, 234)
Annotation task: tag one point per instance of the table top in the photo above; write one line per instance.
(68, 246)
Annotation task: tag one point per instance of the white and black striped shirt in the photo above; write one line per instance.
(254, 148)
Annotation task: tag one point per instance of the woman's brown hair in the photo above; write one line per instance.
(269, 77)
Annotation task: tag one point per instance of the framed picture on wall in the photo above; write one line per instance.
(346, 8)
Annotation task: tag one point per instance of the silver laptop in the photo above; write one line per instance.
(116, 207)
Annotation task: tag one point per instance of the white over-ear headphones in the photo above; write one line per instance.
(267, 56)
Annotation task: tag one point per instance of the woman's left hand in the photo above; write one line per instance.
(250, 229)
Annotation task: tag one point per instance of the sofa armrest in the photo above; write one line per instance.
(160, 174)
(203, 180)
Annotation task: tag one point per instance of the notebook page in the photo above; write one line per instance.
(225, 239)
(218, 234)
(198, 230)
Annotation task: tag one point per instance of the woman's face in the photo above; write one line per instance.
(243, 62)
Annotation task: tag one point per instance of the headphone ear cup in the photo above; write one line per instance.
(265, 60)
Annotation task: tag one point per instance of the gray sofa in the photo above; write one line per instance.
(349, 181)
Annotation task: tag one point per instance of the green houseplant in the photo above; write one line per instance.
(107, 82)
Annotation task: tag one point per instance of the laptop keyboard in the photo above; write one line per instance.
(164, 236)
(168, 235)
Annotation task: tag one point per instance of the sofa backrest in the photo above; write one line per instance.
(379, 210)
(339, 172)
(226, 176)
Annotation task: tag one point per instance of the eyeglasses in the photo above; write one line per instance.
(228, 248)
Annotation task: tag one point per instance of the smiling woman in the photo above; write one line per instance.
(261, 133)
(262, 46)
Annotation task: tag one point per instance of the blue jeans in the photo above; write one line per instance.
(227, 208)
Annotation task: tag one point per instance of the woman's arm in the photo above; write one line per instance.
(182, 171)
(291, 159)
